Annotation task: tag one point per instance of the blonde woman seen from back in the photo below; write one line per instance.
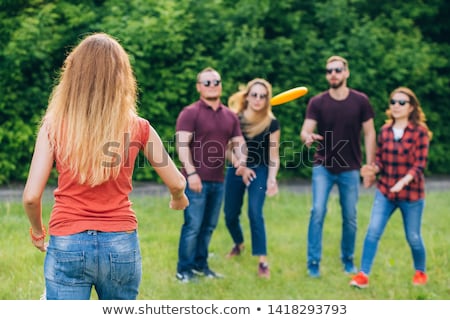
(92, 133)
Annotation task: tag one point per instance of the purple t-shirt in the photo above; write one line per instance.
(339, 122)
(212, 129)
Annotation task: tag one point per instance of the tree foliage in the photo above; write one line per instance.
(388, 44)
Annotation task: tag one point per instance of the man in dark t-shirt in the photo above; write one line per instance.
(203, 131)
(334, 122)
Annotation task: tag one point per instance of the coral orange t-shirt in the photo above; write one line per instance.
(105, 207)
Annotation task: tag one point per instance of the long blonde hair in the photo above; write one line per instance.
(417, 116)
(93, 105)
(259, 121)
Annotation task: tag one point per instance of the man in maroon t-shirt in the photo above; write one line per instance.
(334, 119)
(203, 131)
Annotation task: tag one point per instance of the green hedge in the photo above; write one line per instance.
(388, 44)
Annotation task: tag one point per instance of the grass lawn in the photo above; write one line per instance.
(21, 265)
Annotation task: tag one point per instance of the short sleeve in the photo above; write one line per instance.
(274, 125)
(186, 120)
(143, 134)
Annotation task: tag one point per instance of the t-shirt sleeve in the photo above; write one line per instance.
(144, 131)
(186, 120)
(274, 125)
(311, 109)
(236, 126)
(368, 112)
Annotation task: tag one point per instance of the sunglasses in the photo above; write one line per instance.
(400, 102)
(207, 83)
(337, 70)
(261, 96)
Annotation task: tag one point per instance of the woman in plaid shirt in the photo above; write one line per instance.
(402, 152)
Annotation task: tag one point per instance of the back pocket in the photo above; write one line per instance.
(125, 266)
(65, 267)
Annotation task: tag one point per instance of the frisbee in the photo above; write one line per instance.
(288, 95)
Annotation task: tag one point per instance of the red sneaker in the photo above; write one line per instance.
(420, 278)
(361, 280)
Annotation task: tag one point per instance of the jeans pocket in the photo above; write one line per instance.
(125, 266)
(65, 267)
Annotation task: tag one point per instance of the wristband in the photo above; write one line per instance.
(192, 173)
(34, 238)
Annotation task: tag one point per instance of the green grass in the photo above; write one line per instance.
(21, 265)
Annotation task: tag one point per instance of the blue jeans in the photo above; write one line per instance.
(109, 261)
(234, 196)
(382, 210)
(200, 220)
(348, 185)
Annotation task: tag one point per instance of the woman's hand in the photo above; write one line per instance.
(38, 239)
(272, 187)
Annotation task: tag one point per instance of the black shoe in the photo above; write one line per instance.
(208, 273)
(185, 276)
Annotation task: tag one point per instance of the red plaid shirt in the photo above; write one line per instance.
(398, 158)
